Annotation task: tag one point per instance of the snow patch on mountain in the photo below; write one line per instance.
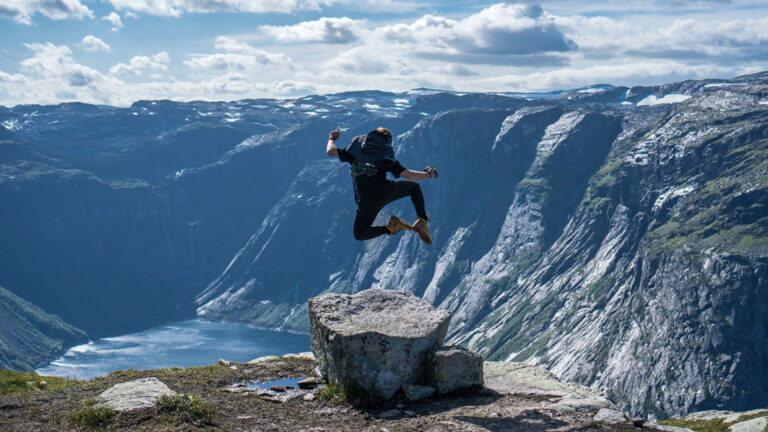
(671, 98)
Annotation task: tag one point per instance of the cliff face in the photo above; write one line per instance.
(618, 243)
(30, 337)
(655, 290)
(619, 247)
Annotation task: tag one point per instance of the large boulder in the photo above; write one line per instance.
(454, 368)
(375, 340)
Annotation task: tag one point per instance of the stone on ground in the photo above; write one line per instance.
(609, 416)
(454, 368)
(417, 392)
(301, 356)
(131, 395)
(375, 340)
(264, 359)
(755, 425)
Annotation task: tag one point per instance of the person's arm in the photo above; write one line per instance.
(418, 175)
(330, 148)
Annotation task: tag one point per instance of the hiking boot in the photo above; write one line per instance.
(396, 224)
(420, 226)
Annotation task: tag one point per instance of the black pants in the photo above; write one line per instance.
(368, 210)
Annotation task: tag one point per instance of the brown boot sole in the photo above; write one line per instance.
(396, 224)
(423, 230)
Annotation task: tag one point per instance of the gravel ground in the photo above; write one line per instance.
(482, 410)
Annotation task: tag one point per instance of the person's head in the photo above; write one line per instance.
(386, 132)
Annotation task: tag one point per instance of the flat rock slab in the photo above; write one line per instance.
(727, 416)
(522, 378)
(272, 394)
(755, 425)
(131, 395)
(375, 340)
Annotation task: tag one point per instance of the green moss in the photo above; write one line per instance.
(92, 417)
(187, 409)
(713, 425)
(16, 383)
(340, 395)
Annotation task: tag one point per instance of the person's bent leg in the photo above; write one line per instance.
(405, 188)
(366, 214)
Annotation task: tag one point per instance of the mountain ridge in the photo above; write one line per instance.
(569, 213)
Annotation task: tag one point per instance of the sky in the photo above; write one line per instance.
(115, 52)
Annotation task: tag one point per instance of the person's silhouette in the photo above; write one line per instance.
(370, 157)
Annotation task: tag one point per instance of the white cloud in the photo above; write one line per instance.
(325, 30)
(22, 10)
(504, 47)
(114, 18)
(178, 7)
(502, 33)
(158, 61)
(55, 62)
(627, 73)
(92, 43)
(238, 56)
(682, 39)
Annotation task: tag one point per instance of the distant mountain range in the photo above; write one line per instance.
(616, 236)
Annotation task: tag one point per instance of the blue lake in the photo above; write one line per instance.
(183, 344)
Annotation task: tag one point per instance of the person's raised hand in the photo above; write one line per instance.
(432, 171)
(334, 135)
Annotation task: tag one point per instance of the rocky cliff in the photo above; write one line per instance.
(620, 246)
(30, 337)
(616, 236)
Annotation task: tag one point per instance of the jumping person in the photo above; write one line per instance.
(370, 157)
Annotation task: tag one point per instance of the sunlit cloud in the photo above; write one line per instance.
(22, 11)
(137, 64)
(238, 56)
(498, 47)
(92, 43)
(114, 18)
(325, 30)
(178, 7)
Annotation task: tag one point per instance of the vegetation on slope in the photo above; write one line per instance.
(29, 336)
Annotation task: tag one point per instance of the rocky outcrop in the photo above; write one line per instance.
(131, 395)
(376, 340)
(453, 368)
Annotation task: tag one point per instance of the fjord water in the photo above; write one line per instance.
(182, 344)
